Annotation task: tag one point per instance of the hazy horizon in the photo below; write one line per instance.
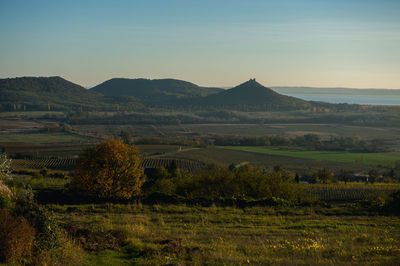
(291, 43)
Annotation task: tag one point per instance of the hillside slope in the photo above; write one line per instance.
(156, 90)
(51, 93)
(254, 95)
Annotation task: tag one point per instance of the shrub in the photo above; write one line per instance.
(247, 182)
(164, 185)
(67, 253)
(5, 201)
(325, 176)
(16, 238)
(47, 230)
(378, 199)
(393, 204)
(111, 169)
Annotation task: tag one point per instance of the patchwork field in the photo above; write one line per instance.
(289, 130)
(223, 157)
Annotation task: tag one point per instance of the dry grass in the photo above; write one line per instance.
(259, 235)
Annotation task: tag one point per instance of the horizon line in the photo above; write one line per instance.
(222, 87)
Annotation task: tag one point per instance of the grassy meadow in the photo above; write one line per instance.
(114, 234)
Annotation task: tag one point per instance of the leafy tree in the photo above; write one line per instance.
(325, 175)
(126, 136)
(111, 169)
(344, 176)
(297, 178)
(373, 176)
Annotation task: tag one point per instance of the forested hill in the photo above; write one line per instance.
(253, 95)
(52, 93)
(43, 93)
(153, 91)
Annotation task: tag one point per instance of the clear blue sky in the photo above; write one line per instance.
(349, 43)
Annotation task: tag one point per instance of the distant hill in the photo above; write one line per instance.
(151, 91)
(42, 92)
(119, 94)
(252, 94)
(49, 93)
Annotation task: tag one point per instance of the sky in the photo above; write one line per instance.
(320, 43)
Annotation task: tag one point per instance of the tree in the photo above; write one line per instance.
(126, 136)
(297, 178)
(373, 176)
(111, 169)
(344, 176)
(324, 175)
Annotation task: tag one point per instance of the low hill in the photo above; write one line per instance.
(44, 92)
(253, 95)
(50, 93)
(156, 90)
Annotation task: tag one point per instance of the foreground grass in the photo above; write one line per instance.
(386, 159)
(161, 235)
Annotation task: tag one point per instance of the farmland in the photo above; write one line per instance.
(324, 130)
(223, 157)
(348, 192)
(46, 138)
(333, 223)
(70, 163)
(387, 159)
(67, 163)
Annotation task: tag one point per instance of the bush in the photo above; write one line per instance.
(5, 201)
(109, 170)
(16, 238)
(47, 230)
(244, 183)
(68, 253)
(378, 199)
(393, 205)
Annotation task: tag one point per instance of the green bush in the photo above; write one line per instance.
(5, 201)
(244, 183)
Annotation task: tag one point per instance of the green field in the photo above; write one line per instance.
(385, 159)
